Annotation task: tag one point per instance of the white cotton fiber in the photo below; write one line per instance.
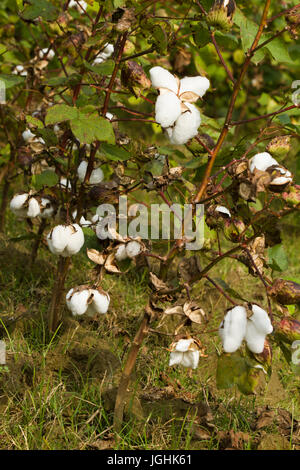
(162, 78)
(223, 210)
(47, 209)
(28, 135)
(186, 126)
(81, 170)
(183, 345)
(33, 208)
(78, 302)
(17, 203)
(97, 176)
(57, 239)
(262, 161)
(233, 328)
(100, 302)
(261, 320)
(133, 249)
(198, 85)
(175, 358)
(255, 339)
(167, 109)
(75, 240)
(121, 253)
(190, 359)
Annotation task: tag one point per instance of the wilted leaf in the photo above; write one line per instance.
(110, 265)
(95, 256)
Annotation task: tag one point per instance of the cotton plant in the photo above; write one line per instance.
(96, 176)
(90, 301)
(65, 240)
(237, 327)
(174, 108)
(184, 352)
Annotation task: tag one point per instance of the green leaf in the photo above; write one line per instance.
(106, 68)
(46, 178)
(230, 367)
(201, 35)
(278, 260)
(229, 290)
(11, 80)
(279, 51)
(59, 113)
(49, 136)
(112, 152)
(41, 8)
(35, 122)
(88, 128)
(90, 239)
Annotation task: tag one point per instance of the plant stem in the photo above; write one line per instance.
(4, 203)
(54, 313)
(37, 242)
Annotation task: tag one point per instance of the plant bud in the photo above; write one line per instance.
(233, 229)
(221, 14)
(134, 77)
(292, 196)
(288, 330)
(285, 292)
(279, 146)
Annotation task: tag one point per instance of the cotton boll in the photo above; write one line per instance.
(57, 239)
(78, 302)
(109, 116)
(65, 183)
(75, 240)
(108, 50)
(233, 328)
(223, 210)
(17, 204)
(28, 135)
(262, 161)
(97, 176)
(175, 358)
(183, 345)
(83, 222)
(186, 126)
(46, 53)
(167, 109)
(100, 301)
(162, 78)
(198, 85)
(133, 249)
(33, 208)
(81, 170)
(261, 320)
(255, 340)
(121, 253)
(190, 359)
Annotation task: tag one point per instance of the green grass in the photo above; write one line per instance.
(58, 393)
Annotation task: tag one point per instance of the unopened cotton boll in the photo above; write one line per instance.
(262, 161)
(184, 354)
(133, 249)
(186, 126)
(233, 328)
(167, 109)
(65, 240)
(162, 78)
(121, 253)
(46, 53)
(198, 85)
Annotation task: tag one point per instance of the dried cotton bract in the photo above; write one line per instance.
(87, 301)
(174, 110)
(65, 240)
(184, 352)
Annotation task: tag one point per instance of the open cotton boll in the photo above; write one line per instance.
(133, 249)
(75, 240)
(255, 339)
(97, 176)
(100, 301)
(182, 354)
(57, 239)
(167, 109)
(17, 204)
(121, 253)
(198, 85)
(162, 78)
(108, 49)
(223, 210)
(78, 302)
(28, 135)
(233, 328)
(262, 161)
(81, 170)
(109, 116)
(186, 126)
(19, 70)
(261, 320)
(46, 53)
(33, 208)
(65, 183)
